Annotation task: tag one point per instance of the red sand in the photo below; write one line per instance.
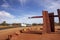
(25, 36)
(4, 33)
(31, 36)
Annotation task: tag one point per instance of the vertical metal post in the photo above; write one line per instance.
(51, 17)
(46, 22)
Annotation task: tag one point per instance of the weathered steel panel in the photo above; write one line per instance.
(52, 22)
(46, 22)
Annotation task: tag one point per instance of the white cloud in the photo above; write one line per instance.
(52, 6)
(22, 2)
(5, 5)
(6, 14)
(25, 19)
(55, 5)
(48, 4)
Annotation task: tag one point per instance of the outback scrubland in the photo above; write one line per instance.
(29, 36)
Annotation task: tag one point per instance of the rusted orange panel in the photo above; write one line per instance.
(52, 22)
(46, 22)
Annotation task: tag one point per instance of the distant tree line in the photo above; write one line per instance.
(34, 24)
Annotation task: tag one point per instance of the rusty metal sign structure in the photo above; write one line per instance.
(48, 21)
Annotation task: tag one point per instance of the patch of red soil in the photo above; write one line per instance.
(26, 36)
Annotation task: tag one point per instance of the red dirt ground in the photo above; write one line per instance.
(32, 36)
(16, 35)
(25, 36)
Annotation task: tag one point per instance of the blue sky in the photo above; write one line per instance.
(18, 11)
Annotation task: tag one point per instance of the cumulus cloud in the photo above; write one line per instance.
(53, 4)
(25, 19)
(5, 5)
(50, 5)
(22, 2)
(5, 16)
